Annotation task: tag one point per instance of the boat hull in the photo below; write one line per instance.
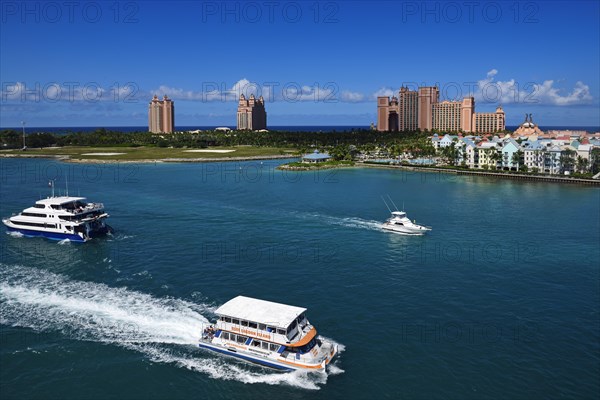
(57, 235)
(404, 231)
(267, 361)
(247, 357)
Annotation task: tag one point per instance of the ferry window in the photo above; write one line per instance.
(262, 327)
(241, 339)
(244, 323)
(281, 331)
(235, 321)
(265, 345)
(227, 319)
(273, 347)
(39, 206)
(225, 335)
(252, 325)
(256, 343)
(271, 329)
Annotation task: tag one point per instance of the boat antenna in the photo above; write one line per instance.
(386, 204)
(67, 184)
(394, 203)
(52, 186)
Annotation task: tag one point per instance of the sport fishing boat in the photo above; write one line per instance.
(267, 333)
(399, 223)
(59, 218)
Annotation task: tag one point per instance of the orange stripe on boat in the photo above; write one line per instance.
(309, 336)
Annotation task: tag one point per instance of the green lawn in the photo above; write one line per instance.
(151, 153)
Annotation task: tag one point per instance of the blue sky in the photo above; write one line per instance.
(317, 63)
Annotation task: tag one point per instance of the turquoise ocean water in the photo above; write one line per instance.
(501, 300)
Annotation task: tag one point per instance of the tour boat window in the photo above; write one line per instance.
(244, 323)
(281, 331)
(232, 337)
(235, 321)
(262, 327)
(252, 325)
(39, 206)
(28, 214)
(256, 343)
(265, 345)
(273, 347)
(227, 319)
(271, 329)
(241, 339)
(225, 336)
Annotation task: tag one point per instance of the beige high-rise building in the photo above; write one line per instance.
(454, 116)
(251, 114)
(387, 113)
(428, 96)
(398, 113)
(161, 115)
(490, 122)
(408, 110)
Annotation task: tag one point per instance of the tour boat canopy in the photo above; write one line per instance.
(399, 213)
(260, 311)
(60, 200)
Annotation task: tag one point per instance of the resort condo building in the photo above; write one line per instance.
(161, 115)
(251, 114)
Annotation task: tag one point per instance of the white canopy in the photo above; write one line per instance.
(260, 311)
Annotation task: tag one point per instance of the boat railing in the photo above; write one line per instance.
(88, 207)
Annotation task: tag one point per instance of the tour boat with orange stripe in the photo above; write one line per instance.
(267, 333)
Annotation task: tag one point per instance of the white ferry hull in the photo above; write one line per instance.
(268, 361)
(55, 235)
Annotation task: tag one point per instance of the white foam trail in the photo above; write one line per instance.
(165, 329)
(15, 234)
(64, 241)
(357, 223)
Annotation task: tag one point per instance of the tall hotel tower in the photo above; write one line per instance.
(161, 115)
(251, 113)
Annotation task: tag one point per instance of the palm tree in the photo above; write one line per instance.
(582, 164)
(516, 158)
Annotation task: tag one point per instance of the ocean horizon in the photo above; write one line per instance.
(289, 128)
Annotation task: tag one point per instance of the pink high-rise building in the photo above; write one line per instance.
(428, 96)
(161, 115)
(251, 114)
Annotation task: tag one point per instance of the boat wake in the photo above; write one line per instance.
(164, 329)
(64, 241)
(356, 223)
(15, 234)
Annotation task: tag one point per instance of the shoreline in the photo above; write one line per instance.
(539, 178)
(68, 159)
(496, 175)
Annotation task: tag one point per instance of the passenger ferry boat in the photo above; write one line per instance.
(399, 223)
(60, 218)
(271, 334)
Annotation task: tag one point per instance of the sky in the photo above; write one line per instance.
(98, 63)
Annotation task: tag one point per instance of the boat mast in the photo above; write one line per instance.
(395, 204)
(386, 204)
(23, 124)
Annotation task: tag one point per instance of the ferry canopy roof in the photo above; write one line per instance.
(260, 311)
(60, 200)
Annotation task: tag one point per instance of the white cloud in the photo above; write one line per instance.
(352, 97)
(382, 92)
(511, 91)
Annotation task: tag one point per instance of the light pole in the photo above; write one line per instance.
(23, 124)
